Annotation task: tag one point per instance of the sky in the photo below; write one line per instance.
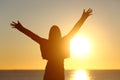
(17, 51)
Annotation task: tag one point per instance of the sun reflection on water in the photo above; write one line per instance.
(81, 75)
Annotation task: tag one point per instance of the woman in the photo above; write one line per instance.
(56, 48)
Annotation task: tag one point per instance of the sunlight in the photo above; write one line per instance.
(80, 46)
(81, 75)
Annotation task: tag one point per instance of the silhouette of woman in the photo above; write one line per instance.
(56, 48)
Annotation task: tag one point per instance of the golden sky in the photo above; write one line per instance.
(17, 51)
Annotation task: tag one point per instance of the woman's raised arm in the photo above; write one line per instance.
(27, 32)
(79, 23)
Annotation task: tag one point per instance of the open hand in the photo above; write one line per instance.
(88, 12)
(16, 25)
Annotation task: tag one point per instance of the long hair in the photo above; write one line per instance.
(54, 33)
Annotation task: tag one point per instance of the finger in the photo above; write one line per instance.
(14, 22)
(13, 27)
(18, 21)
(90, 14)
(83, 10)
(89, 10)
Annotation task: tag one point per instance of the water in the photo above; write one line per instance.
(69, 74)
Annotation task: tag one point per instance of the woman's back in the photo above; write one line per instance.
(52, 50)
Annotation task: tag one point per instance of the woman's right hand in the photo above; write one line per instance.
(87, 13)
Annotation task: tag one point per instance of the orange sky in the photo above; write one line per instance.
(17, 51)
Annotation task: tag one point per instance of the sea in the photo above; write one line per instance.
(69, 74)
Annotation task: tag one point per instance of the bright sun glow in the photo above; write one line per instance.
(79, 46)
(81, 75)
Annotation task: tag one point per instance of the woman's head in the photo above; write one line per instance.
(54, 33)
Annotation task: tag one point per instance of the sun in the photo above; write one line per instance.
(80, 46)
